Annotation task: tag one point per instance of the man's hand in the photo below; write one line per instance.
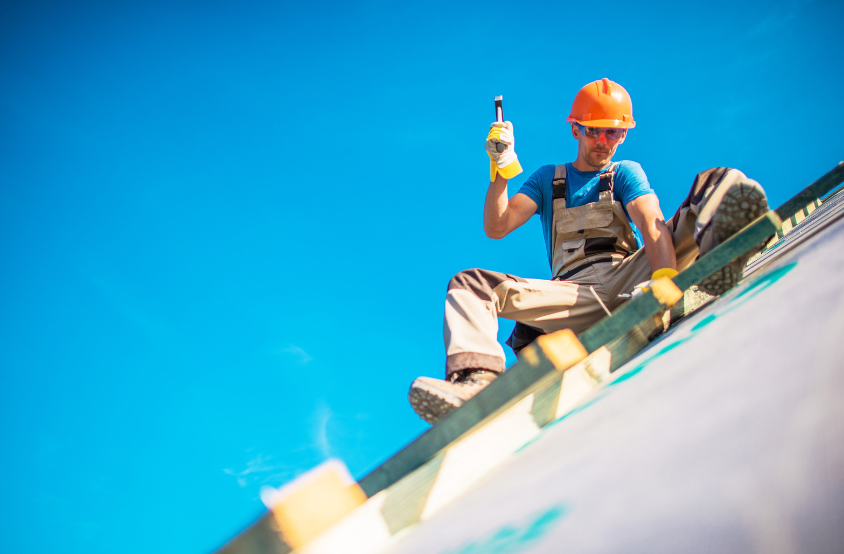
(505, 161)
(645, 286)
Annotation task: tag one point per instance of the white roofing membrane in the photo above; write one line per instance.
(725, 435)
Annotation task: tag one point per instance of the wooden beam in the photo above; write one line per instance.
(497, 396)
(752, 236)
(818, 189)
(645, 306)
(262, 537)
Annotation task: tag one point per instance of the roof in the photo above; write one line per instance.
(722, 434)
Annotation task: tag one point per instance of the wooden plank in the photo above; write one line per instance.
(829, 195)
(424, 447)
(787, 226)
(818, 189)
(314, 502)
(645, 306)
(752, 236)
(623, 320)
(300, 511)
(261, 537)
(499, 394)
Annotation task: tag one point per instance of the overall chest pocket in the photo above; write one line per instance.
(590, 216)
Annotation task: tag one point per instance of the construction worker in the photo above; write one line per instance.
(605, 236)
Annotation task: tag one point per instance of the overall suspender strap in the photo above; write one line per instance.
(606, 181)
(559, 182)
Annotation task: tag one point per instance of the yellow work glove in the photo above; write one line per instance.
(505, 162)
(645, 286)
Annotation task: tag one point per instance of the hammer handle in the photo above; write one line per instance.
(499, 116)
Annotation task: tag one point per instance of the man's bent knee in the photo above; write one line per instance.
(480, 282)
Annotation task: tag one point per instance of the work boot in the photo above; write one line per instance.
(433, 399)
(742, 203)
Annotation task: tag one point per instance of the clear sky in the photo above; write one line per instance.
(226, 228)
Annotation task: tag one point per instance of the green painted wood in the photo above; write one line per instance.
(623, 320)
(634, 312)
(818, 189)
(818, 202)
(261, 537)
(752, 236)
(501, 393)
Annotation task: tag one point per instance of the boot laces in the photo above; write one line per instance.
(466, 376)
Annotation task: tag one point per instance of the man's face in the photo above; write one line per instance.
(596, 152)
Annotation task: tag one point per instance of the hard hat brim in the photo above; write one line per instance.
(605, 123)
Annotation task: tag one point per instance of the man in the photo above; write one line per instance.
(605, 236)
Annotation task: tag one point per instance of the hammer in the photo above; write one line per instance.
(499, 116)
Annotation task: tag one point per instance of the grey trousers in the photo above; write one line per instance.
(476, 298)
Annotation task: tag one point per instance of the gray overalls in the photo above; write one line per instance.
(591, 232)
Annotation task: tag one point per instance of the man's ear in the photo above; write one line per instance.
(575, 131)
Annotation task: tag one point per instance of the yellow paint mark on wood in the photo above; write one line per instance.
(314, 502)
(562, 348)
(529, 355)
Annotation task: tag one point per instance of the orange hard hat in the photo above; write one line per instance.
(602, 103)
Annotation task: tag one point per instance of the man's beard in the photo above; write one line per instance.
(599, 159)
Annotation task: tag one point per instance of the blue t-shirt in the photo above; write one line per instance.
(582, 188)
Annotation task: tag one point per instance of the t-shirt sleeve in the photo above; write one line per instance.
(533, 189)
(631, 182)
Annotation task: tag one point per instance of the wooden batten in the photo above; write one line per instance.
(313, 502)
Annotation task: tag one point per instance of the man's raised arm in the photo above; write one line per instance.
(502, 215)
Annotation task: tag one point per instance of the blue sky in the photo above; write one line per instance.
(226, 228)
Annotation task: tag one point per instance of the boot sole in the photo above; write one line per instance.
(430, 404)
(742, 204)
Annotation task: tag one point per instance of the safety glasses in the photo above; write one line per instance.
(595, 132)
